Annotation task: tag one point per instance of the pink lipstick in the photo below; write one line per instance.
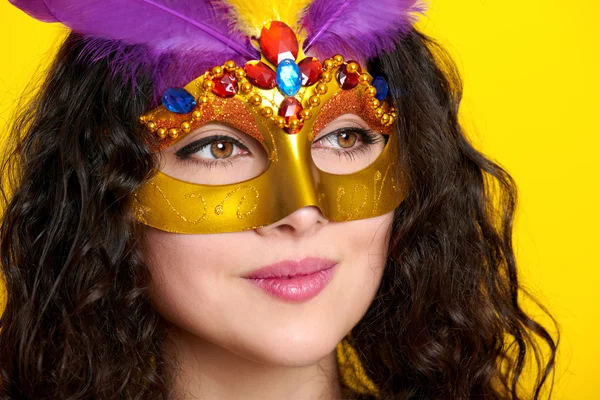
(294, 281)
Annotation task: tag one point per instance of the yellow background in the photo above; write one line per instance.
(532, 90)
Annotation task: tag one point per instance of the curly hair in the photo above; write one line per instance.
(79, 323)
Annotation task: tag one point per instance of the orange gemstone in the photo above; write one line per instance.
(260, 74)
(290, 107)
(278, 42)
(311, 70)
(348, 80)
(226, 85)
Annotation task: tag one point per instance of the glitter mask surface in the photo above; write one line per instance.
(291, 180)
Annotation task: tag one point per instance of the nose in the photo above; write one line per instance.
(304, 221)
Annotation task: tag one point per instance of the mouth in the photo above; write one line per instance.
(294, 281)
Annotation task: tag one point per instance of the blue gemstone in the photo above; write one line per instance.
(382, 88)
(178, 100)
(288, 77)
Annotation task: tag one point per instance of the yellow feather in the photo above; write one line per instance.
(251, 15)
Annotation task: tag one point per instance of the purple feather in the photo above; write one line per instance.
(179, 39)
(36, 9)
(357, 29)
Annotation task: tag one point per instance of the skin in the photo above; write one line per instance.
(232, 340)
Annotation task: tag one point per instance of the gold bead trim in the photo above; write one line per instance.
(246, 88)
(364, 79)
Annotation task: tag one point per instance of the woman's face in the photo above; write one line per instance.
(203, 285)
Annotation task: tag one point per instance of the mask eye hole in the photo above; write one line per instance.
(347, 145)
(215, 154)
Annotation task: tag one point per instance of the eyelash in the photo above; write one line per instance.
(366, 137)
(185, 152)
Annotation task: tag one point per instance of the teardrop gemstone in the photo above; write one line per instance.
(288, 77)
(348, 80)
(311, 69)
(290, 108)
(382, 87)
(178, 100)
(278, 42)
(260, 74)
(226, 85)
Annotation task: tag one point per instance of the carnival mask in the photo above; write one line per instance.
(269, 79)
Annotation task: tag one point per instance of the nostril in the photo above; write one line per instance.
(304, 221)
(285, 228)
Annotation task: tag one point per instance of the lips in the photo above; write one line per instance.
(291, 269)
(294, 281)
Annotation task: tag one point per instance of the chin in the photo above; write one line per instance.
(294, 349)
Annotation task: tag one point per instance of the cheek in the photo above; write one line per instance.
(187, 273)
(367, 246)
(372, 237)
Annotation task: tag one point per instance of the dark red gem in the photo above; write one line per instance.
(290, 107)
(348, 80)
(278, 42)
(260, 74)
(226, 85)
(311, 70)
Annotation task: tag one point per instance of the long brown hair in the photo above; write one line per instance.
(446, 322)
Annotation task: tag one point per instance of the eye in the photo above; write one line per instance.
(223, 156)
(213, 148)
(344, 140)
(347, 150)
(348, 138)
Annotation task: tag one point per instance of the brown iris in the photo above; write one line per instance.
(221, 149)
(346, 140)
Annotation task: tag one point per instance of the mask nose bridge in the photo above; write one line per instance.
(296, 174)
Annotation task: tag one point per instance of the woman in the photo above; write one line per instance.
(304, 219)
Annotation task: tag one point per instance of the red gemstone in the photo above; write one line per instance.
(226, 85)
(260, 74)
(311, 70)
(278, 42)
(348, 80)
(290, 107)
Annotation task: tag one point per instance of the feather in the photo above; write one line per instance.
(36, 9)
(249, 16)
(164, 24)
(177, 39)
(357, 29)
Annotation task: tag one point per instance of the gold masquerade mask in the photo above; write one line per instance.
(284, 101)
